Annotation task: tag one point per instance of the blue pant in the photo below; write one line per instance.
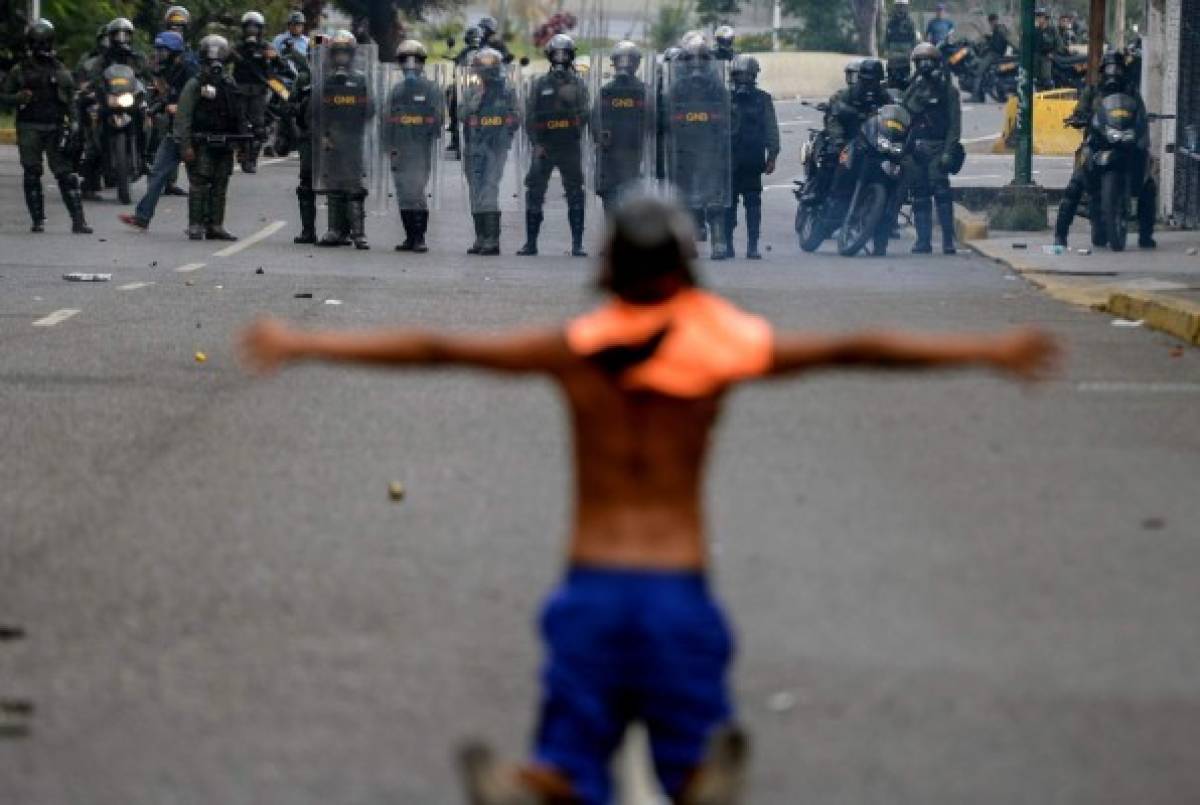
(166, 162)
(631, 646)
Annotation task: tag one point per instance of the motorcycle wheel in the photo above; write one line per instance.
(1113, 204)
(808, 227)
(121, 165)
(862, 220)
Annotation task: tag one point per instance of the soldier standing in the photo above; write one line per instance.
(723, 38)
(1046, 45)
(256, 62)
(848, 108)
(344, 109)
(996, 44)
(300, 108)
(936, 109)
(490, 38)
(208, 124)
(490, 118)
(898, 41)
(412, 129)
(41, 88)
(619, 128)
(755, 133)
(118, 50)
(462, 66)
(555, 115)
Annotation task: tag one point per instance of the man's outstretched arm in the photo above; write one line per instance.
(269, 343)
(1025, 352)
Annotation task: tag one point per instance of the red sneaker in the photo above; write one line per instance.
(132, 220)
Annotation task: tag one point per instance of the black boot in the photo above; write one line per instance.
(533, 226)
(338, 233)
(491, 229)
(69, 187)
(945, 213)
(716, 233)
(477, 218)
(923, 223)
(35, 200)
(730, 228)
(1147, 212)
(575, 218)
(356, 209)
(197, 211)
(308, 216)
(406, 220)
(753, 229)
(701, 230)
(421, 223)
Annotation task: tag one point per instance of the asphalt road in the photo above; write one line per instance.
(966, 591)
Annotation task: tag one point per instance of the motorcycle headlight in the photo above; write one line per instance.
(1115, 135)
(883, 144)
(125, 100)
(896, 149)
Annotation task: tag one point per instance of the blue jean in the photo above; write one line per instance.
(166, 162)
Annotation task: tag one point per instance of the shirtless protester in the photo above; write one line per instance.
(632, 633)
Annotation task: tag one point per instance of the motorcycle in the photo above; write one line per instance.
(280, 118)
(809, 214)
(116, 115)
(1118, 155)
(1069, 70)
(1000, 80)
(960, 57)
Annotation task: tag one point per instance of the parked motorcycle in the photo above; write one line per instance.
(1069, 70)
(116, 118)
(1118, 144)
(808, 215)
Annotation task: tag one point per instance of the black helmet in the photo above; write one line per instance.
(342, 46)
(40, 37)
(411, 55)
(120, 33)
(852, 68)
(487, 63)
(626, 57)
(176, 17)
(297, 18)
(694, 47)
(253, 19)
(724, 36)
(472, 36)
(926, 58)
(871, 71)
(744, 69)
(560, 51)
(487, 26)
(1112, 69)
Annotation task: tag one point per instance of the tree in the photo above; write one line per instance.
(826, 26)
(715, 12)
(673, 22)
(866, 16)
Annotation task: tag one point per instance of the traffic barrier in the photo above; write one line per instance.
(1051, 136)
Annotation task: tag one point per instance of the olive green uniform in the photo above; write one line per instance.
(1046, 45)
(898, 41)
(996, 44)
(199, 123)
(936, 108)
(42, 90)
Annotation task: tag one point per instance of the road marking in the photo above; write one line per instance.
(57, 317)
(133, 286)
(264, 233)
(982, 139)
(1139, 388)
(185, 269)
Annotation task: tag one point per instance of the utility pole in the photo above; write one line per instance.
(1097, 14)
(1118, 24)
(776, 23)
(1023, 173)
(35, 11)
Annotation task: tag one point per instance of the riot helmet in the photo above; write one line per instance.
(900, 7)
(487, 64)
(120, 34)
(744, 70)
(626, 57)
(694, 52)
(1112, 72)
(253, 25)
(342, 47)
(724, 36)
(213, 53)
(177, 19)
(472, 37)
(871, 73)
(560, 51)
(487, 28)
(411, 56)
(926, 59)
(296, 18)
(852, 68)
(40, 38)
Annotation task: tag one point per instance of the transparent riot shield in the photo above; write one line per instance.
(697, 132)
(623, 128)
(412, 121)
(556, 146)
(345, 136)
(489, 121)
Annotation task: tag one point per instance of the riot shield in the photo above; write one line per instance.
(345, 136)
(412, 121)
(697, 132)
(489, 120)
(623, 128)
(555, 151)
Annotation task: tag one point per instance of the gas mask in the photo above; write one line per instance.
(251, 33)
(412, 68)
(927, 68)
(560, 60)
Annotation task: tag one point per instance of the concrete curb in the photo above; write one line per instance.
(1158, 311)
(8, 136)
(969, 226)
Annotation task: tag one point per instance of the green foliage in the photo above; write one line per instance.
(827, 26)
(673, 21)
(754, 43)
(716, 12)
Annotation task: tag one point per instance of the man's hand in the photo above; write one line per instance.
(1028, 353)
(770, 168)
(266, 344)
(189, 154)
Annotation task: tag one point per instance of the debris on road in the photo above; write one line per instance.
(201, 357)
(259, 270)
(781, 702)
(1154, 524)
(1192, 252)
(1020, 245)
(189, 283)
(1054, 249)
(77, 276)
(1084, 252)
(396, 491)
(1176, 352)
(333, 301)
(302, 296)
(10, 631)
(1126, 323)
(16, 707)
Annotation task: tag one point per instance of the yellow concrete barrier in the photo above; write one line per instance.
(1051, 136)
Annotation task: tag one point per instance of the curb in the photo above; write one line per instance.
(1179, 317)
(8, 136)
(968, 226)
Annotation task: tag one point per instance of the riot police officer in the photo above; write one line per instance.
(1113, 80)
(936, 109)
(118, 50)
(899, 39)
(723, 39)
(848, 109)
(412, 128)
(698, 129)
(344, 110)
(41, 88)
(88, 61)
(208, 124)
(177, 19)
(490, 115)
(755, 145)
(490, 38)
(255, 62)
(996, 43)
(1046, 44)
(300, 110)
(619, 128)
(462, 65)
(555, 116)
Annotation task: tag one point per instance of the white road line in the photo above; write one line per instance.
(133, 286)
(57, 317)
(264, 233)
(1139, 388)
(185, 269)
(983, 139)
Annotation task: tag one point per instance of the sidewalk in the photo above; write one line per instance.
(1160, 288)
